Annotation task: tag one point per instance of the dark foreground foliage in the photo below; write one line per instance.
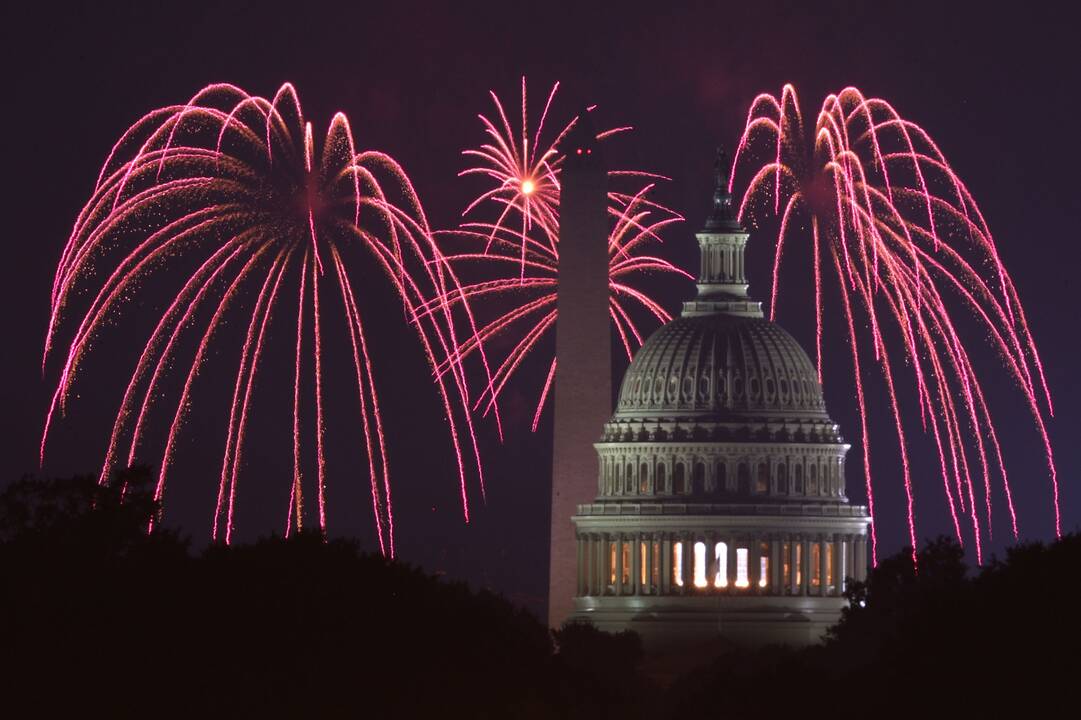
(932, 641)
(99, 617)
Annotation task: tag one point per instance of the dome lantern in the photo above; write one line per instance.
(722, 282)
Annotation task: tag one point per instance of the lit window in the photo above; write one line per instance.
(742, 580)
(828, 549)
(786, 564)
(612, 563)
(677, 563)
(799, 565)
(762, 484)
(700, 564)
(763, 565)
(720, 554)
(626, 553)
(816, 565)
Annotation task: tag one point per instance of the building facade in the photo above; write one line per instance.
(720, 509)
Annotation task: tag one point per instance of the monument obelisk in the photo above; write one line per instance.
(583, 378)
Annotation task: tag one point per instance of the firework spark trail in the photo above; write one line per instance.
(365, 385)
(249, 382)
(296, 495)
(238, 185)
(512, 259)
(903, 232)
(215, 266)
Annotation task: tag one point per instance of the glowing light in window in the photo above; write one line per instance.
(799, 565)
(720, 554)
(741, 568)
(827, 548)
(700, 564)
(763, 572)
(677, 564)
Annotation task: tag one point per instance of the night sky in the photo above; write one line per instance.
(995, 90)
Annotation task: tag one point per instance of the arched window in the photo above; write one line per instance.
(782, 479)
(700, 564)
(643, 479)
(677, 564)
(720, 557)
(699, 478)
(812, 479)
(679, 481)
(744, 479)
(797, 479)
(761, 484)
(722, 477)
(763, 565)
(742, 573)
(661, 484)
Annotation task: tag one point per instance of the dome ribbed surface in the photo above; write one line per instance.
(720, 367)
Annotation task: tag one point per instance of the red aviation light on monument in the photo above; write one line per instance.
(580, 142)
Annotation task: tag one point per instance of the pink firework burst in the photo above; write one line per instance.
(908, 247)
(234, 186)
(515, 255)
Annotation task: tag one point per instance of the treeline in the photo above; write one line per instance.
(101, 617)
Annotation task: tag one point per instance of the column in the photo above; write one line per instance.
(650, 560)
(581, 567)
(636, 564)
(860, 567)
(776, 565)
(600, 550)
(711, 560)
(688, 562)
(793, 586)
(731, 563)
(806, 570)
(755, 559)
(618, 539)
(850, 556)
(666, 564)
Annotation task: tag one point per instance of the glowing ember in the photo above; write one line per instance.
(234, 183)
(900, 233)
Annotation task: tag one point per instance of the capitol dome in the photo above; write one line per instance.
(721, 368)
(721, 512)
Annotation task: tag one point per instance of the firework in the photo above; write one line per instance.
(235, 186)
(515, 254)
(904, 241)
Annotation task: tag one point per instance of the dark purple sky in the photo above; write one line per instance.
(994, 89)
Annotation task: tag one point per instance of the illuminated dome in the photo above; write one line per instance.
(721, 368)
(721, 513)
